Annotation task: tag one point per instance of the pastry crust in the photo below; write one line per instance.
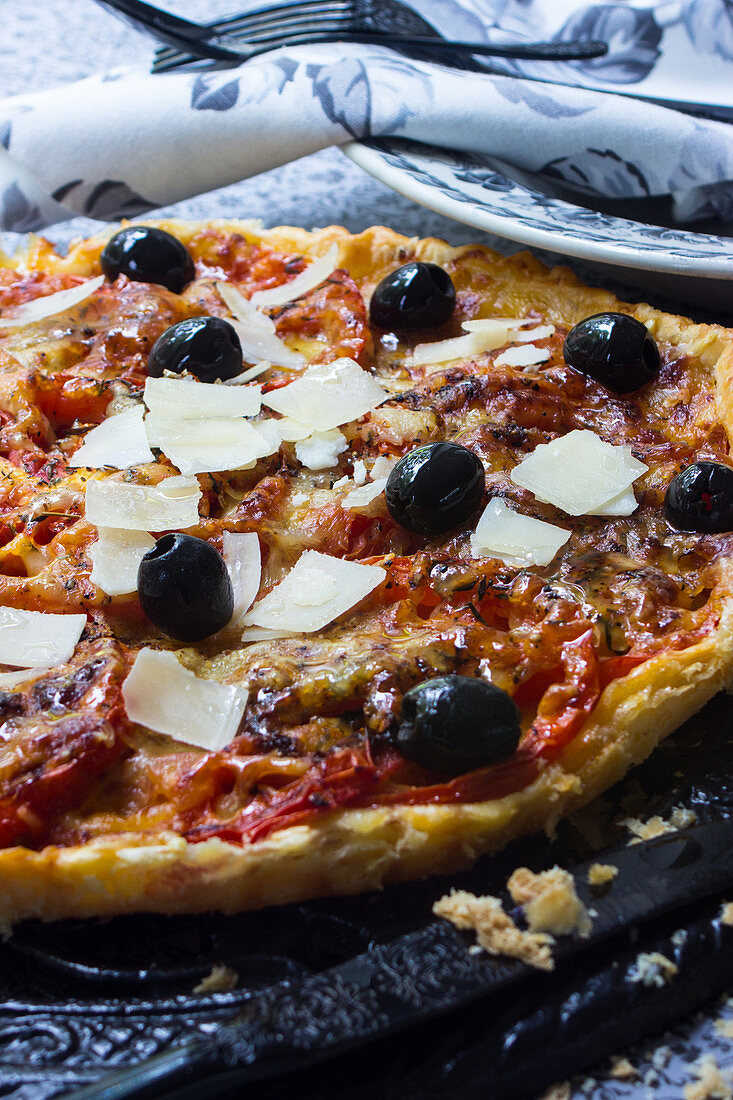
(351, 850)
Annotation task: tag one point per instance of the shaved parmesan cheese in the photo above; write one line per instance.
(383, 467)
(172, 505)
(260, 634)
(328, 395)
(515, 539)
(12, 679)
(244, 563)
(622, 505)
(315, 274)
(317, 590)
(164, 696)
(364, 494)
(288, 430)
(208, 446)
(360, 471)
(485, 334)
(248, 375)
(51, 304)
(256, 332)
(184, 399)
(116, 557)
(37, 639)
(119, 441)
(578, 472)
(321, 450)
(526, 355)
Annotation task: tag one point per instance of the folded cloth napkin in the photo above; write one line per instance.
(124, 142)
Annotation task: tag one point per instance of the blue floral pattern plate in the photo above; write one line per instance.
(478, 192)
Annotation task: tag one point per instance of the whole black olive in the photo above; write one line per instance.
(205, 346)
(415, 296)
(700, 498)
(435, 488)
(454, 724)
(184, 588)
(615, 349)
(148, 255)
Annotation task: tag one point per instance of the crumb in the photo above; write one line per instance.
(600, 874)
(661, 1056)
(651, 1078)
(561, 1090)
(724, 1026)
(495, 930)
(726, 913)
(679, 937)
(711, 1085)
(621, 1068)
(589, 1085)
(220, 980)
(549, 901)
(653, 968)
(657, 826)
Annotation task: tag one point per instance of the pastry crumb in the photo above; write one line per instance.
(561, 1090)
(549, 901)
(220, 980)
(711, 1084)
(551, 907)
(680, 818)
(653, 968)
(600, 874)
(621, 1068)
(661, 1056)
(495, 930)
(726, 913)
(724, 1026)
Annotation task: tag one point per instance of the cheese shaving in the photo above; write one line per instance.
(317, 590)
(515, 539)
(118, 442)
(243, 560)
(184, 399)
(578, 472)
(116, 557)
(485, 334)
(525, 355)
(256, 332)
(38, 639)
(162, 695)
(320, 450)
(51, 304)
(328, 395)
(364, 495)
(208, 446)
(315, 274)
(172, 505)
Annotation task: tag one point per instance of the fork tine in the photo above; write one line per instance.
(330, 15)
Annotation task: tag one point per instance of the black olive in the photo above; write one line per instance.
(415, 296)
(700, 498)
(453, 724)
(205, 346)
(435, 488)
(615, 349)
(184, 588)
(148, 255)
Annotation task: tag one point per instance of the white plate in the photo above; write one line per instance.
(479, 193)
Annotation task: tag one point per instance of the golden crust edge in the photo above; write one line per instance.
(352, 851)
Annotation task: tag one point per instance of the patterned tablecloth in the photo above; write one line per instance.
(50, 42)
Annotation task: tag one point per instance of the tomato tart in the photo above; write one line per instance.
(334, 560)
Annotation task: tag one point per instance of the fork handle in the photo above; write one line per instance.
(530, 51)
